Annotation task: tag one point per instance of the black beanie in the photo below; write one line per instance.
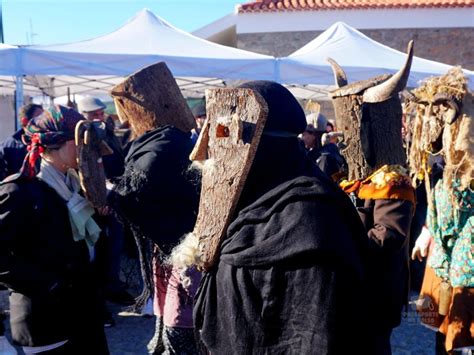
(285, 115)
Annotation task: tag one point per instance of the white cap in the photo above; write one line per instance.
(90, 104)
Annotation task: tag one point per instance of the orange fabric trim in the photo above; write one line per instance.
(393, 184)
(350, 186)
(388, 192)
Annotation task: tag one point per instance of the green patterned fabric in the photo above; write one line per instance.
(451, 223)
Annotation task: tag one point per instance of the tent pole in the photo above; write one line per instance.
(276, 69)
(19, 100)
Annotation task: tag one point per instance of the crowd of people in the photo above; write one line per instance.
(315, 258)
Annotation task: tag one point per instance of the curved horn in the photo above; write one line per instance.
(393, 85)
(339, 74)
(451, 102)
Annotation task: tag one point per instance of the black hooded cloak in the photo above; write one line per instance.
(157, 196)
(290, 278)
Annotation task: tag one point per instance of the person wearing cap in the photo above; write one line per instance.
(330, 159)
(93, 109)
(327, 156)
(13, 150)
(110, 248)
(46, 262)
(199, 113)
(315, 128)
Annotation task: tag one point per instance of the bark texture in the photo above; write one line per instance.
(236, 118)
(372, 133)
(150, 98)
(90, 149)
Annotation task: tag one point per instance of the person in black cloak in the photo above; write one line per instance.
(157, 197)
(291, 270)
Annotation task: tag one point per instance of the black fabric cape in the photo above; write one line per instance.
(290, 279)
(156, 194)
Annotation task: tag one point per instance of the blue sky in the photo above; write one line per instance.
(62, 21)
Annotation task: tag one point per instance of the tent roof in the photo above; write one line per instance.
(8, 59)
(359, 56)
(94, 66)
(143, 40)
(146, 33)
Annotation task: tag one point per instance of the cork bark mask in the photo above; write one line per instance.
(369, 114)
(226, 147)
(91, 147)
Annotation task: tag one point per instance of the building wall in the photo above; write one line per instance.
(447, 45)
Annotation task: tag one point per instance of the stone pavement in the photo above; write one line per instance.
(131, 334)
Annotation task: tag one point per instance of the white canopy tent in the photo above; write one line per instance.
(144, 40)
(359, 56)
(94, 66)
(9, 59)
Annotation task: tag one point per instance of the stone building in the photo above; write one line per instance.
(443, 30)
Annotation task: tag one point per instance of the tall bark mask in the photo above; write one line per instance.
(151, 98)
(226, 147)
(91, 147)
(369, 114)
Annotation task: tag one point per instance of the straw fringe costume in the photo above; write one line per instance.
(443, 126)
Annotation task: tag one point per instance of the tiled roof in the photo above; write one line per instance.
(314, 5)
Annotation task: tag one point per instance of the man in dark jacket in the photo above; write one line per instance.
(331, 162)
(325, 156)
(290, 277)
(13, 150)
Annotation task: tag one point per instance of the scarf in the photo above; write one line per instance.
(80, 211)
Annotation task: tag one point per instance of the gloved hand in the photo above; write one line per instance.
(5, 347)
(422, 245)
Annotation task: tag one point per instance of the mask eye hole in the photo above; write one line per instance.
(222, 131)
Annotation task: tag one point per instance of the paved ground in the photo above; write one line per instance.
(131, 333)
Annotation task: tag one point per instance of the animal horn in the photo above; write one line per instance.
(393, 85)
(339, 74)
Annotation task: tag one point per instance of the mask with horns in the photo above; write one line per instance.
(369, 114)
